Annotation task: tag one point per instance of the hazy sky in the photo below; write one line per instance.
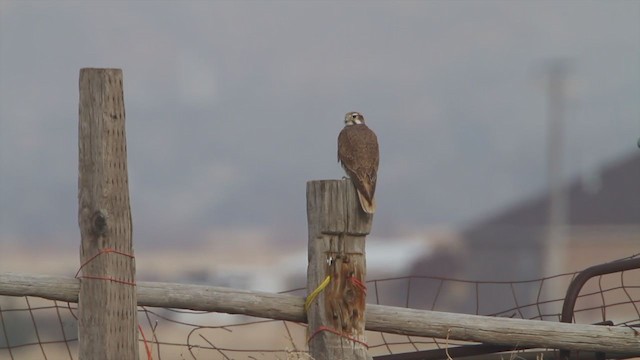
(232, 106)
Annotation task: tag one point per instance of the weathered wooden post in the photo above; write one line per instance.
(107, 299)
(336, 297)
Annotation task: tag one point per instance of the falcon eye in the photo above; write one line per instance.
(355, 116)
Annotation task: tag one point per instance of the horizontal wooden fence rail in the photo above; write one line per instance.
(491, 330)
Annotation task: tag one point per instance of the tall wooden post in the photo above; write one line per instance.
(107, 299)
(336, 272)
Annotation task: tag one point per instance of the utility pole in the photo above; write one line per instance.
(556, 237)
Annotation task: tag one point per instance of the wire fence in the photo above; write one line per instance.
(36, 328)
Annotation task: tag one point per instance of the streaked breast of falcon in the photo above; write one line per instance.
(358, 153)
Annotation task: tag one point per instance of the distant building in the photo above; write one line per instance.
(603, 224)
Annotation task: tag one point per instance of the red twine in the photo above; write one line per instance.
(336, 332)
(146, 345)
(108, 278)
(359, 284)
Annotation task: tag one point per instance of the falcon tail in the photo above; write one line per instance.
(368, 207)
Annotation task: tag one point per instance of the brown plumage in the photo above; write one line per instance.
(358, 154)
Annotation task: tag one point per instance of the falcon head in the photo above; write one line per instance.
(353, 118)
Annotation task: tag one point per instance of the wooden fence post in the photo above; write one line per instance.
(335, 305)
(107, 301)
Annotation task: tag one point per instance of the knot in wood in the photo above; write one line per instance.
(99, 223)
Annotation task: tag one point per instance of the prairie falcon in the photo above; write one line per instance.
(358, 154)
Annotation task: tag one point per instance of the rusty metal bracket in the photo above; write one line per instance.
(578, 282)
